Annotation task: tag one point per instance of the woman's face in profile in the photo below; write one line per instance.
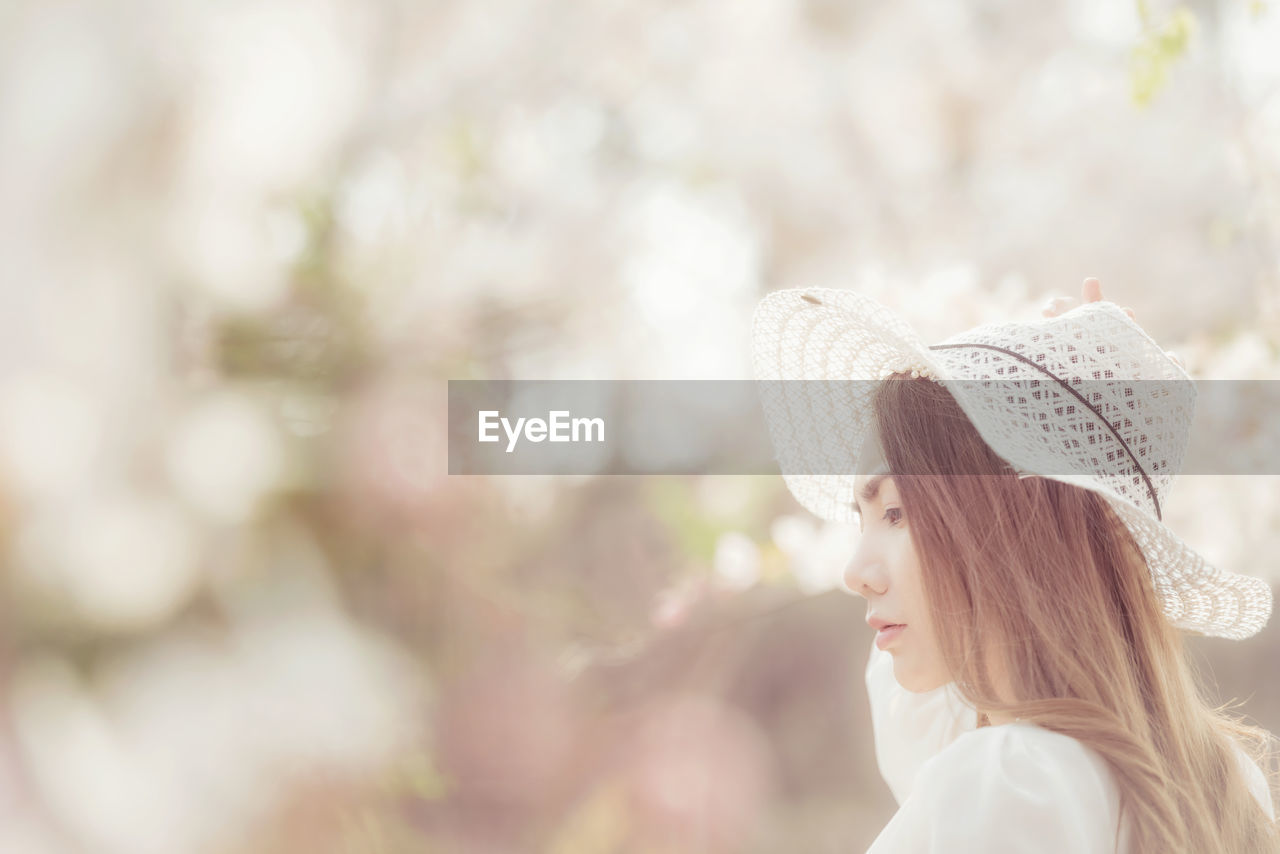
(885, 570)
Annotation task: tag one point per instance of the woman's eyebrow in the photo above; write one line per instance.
(871, 489)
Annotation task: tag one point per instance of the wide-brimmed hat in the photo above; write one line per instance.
(1085, 398)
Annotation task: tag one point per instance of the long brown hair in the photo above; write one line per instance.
(1044, 579)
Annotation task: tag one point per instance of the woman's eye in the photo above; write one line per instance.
(891, 510)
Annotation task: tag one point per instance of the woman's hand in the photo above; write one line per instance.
(1090, 291)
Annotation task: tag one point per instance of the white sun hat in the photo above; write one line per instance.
(1052, 398)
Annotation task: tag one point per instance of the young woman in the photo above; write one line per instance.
(1020, 577)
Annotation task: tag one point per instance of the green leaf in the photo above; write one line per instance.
(1160, 47)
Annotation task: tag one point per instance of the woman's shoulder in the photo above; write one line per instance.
(1009, 753)
(1024, 754)
(1031, 776)
(1017, 738)
(1012, 787)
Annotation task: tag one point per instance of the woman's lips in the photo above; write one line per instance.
(888, 635)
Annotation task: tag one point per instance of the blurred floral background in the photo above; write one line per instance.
(244, 245)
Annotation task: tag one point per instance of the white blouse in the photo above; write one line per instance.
(1012, 788)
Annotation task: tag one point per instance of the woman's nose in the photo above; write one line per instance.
(864, 574)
